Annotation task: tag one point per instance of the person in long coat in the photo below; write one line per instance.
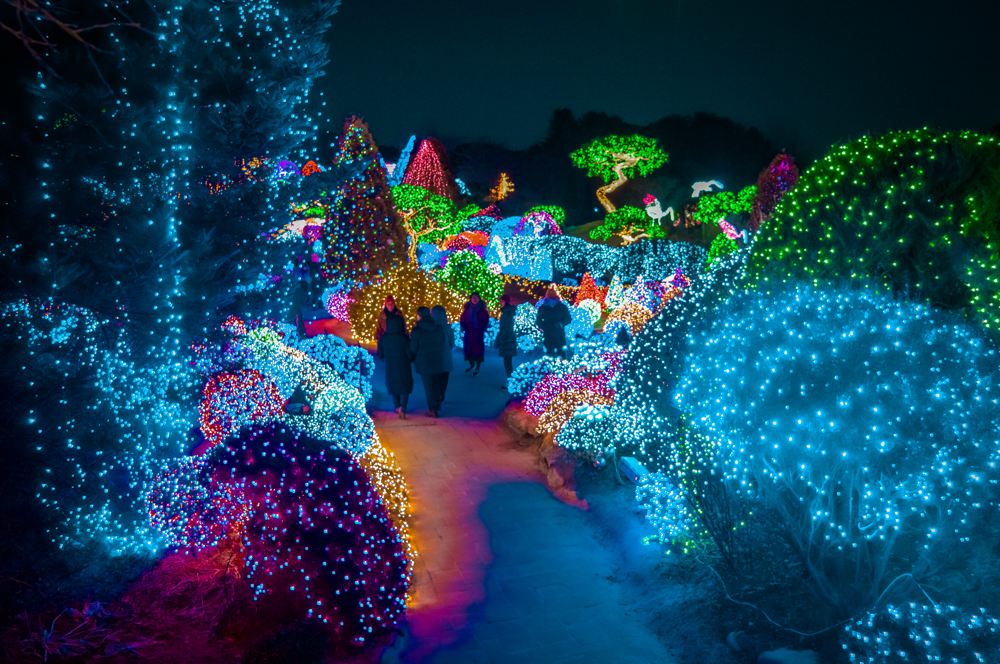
(475, 319)
(440, 316)
(552, 319)
(427, 343)
(389, 308)
(394, 350)
(506, 341)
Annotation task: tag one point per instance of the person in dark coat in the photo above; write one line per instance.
(427, 344)
(394, 350)
(552, 319)
(475, 319)
(440, 316)
(388, 309)
(506, 341)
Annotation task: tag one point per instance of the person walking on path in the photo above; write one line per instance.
(394, 350)
(475, 319)
(506, 341)
(553, 317)
(388, 309)
(427, 343)
(440, 316)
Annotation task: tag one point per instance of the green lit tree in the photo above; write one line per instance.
(557, 213)
(617, 158)
(722, 204)
(467, 273)
(426, 216)
(722, 245)
(629, 224)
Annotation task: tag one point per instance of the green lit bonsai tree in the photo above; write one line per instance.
(629, 224)
(426, 216)
(617, 158)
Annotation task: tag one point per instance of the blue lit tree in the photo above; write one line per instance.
(137, 226)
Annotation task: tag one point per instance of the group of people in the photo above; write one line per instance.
(428, 347)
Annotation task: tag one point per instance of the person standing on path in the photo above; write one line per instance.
(475, 319)
(427, 343)
(553, 317)
(394, 350)
(506, 341)
(388, 309)
(440, 316)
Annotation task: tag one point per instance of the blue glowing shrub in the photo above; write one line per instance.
(104, 423)
(657, 259)
(353, 364)
(645, 407)
(529, 374)
(581, 324)
(869, 427)
(918, 632)
(429, 256)
(668, 509)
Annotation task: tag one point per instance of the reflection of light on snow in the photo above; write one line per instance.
(704, 187)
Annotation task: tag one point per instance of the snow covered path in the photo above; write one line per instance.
(506, 572)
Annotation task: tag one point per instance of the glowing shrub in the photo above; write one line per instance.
(412, 288)
(231, 401)
(923, 633)
(869, 427)
(589, 432)
(915, 211)
(353, 364)
(467, 273)
(317, 533)
(721, 246)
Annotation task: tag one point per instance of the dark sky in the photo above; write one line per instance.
(807, 73)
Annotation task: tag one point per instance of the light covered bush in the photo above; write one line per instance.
(916, 211)
(353, 364)
(870, 428)
(923, 633)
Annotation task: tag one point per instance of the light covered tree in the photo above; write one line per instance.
(362, 237)
(615, 159)
(629, 224)
(426, 216)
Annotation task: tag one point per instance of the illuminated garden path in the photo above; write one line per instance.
(506, 572)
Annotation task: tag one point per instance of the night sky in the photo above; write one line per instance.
(807, 74)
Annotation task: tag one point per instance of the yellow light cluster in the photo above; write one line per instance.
(632, 314)
(536, 289)
(412, 288)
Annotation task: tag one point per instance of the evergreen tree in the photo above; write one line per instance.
(362, 236)
(136, 231)
(429, 169)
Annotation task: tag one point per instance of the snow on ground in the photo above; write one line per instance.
(506, 572)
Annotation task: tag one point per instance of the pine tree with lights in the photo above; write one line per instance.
(429, 169)
(589, 290)
(362, 237)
